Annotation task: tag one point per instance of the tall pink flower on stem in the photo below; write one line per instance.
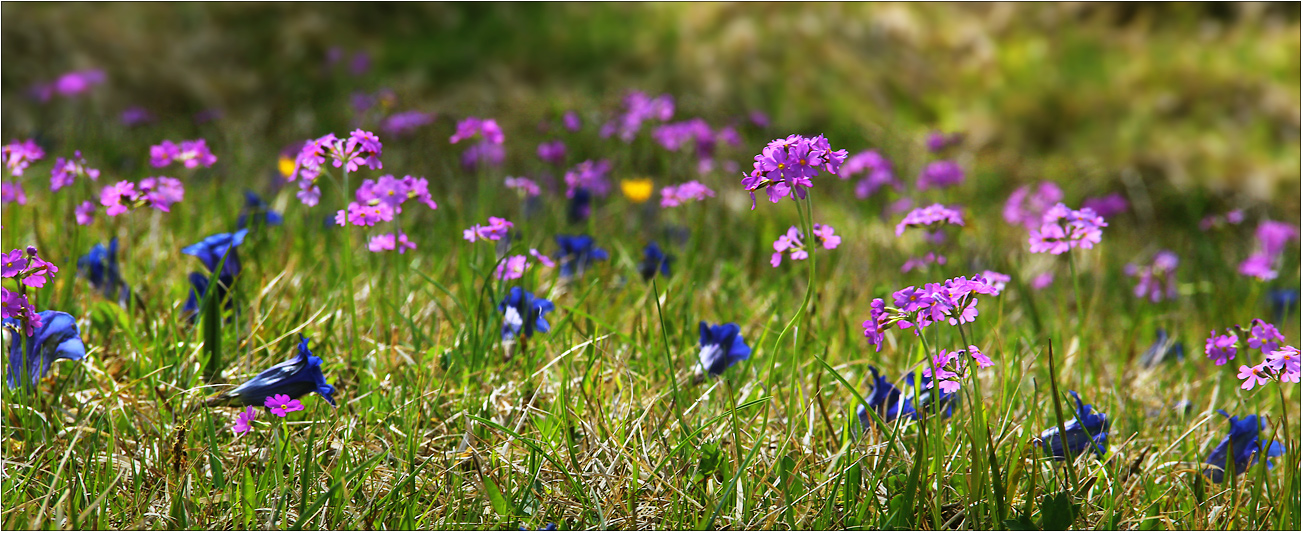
(244, 421)
(793, 243)
(676, 195)
(785, 167)
(386, 242)
(1063, 229)
(927, 217)
(66, 171)
(495, 230)
(191, 154)
(17, 155)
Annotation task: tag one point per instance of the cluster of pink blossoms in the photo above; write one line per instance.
(1272, 237)
(524, 185)
(385, 242)
(488, 150)
(279, 405)
(31, 271)
(496, 230)
(926, 217)
(66, 171)
(676, 195)
(638, 107)
(515, 266)
(157, 192)
(1158, 280)
(784, 167)
(954, 302)
(590, 175)
(381, 200)
(192, 154)
(1083, 229)
(18, 155)
(361, 148)
(877, 172)
(952, 367)
(1279, 365)
(793, 243)
(1027, 208)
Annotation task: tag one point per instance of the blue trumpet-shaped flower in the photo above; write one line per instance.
(100, 267)
(1243, 442)
(577, 253)
(721, 347)
(214, 247)
(294, 378)
(1088, 430)
(1164, 349)
(257, 212)
(199, 285)
(885, 399)
(522, 314)
(654, 259)
(57, 338)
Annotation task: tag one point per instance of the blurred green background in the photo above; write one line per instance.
(1198, 104)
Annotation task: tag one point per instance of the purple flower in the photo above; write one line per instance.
(589, 175)
(995, 280)
(1273, 236)
(553, 152)
(790, 243)
(939, 174)
(638, 108)
(18, 155)
(401, 124)
(571, 121)
(542, 259)
(722, 346)
(919, 263)
(1042, 280)
(1250, 374)
(1158, 280)
(56, 336)
(244, 421)
(524, 185)
(136, 116)
(12, 264)
(496, 230)
(1285, 362)
(876, 169)
(676, 195)
(1220, 348)
(282, 404)
(1028, 211)
(361, 148)
(1264, 336)
(162, 192)
(65, 171)
(1259, 266)
(1082, 230)
(16, 307)
(85, 213)
(192, 154)
(118, 197)
(785, 166)
(938, 141)
(364, 215)
(469, 127)
(69, 84)
(12, 192)
(513, 268)
(385, 242)
(1107, 206)
(758, 118)
(483, 153)
(929, 216)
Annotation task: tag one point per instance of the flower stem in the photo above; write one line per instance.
(348, 271)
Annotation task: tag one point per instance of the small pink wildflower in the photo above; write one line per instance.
(513, 268)
(496, 230)
(385, 242)
(244, 421)
(1253, 376)
(282, 404)
(85, 213)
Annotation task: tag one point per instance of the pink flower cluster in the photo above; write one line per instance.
(792, 243)
(784, 167)
(192, 154)
(696, 132)
(66, 171)
(69, 84)
(400, 124)
(939, 175)
(29, 270)
(157, 192)
(385, 242)
(1024, 207)
(676, 195)
(1281, 364)
(877, 172)
(954, 301)
(951, 367)
(638, 108)
(515, 266)
(589, 175)
(18, 155)
(919, 263)
(926, 217)
(361, 148)
(487, 129)
(1233, 217)
(1158, 280)
(1272, 237)
(553, 152)
(524, 185)
(496, 230)
(1083, 229)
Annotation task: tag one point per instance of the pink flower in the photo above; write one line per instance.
(192, 154)
(982, 360)
(244, 421)
(1019, 209)
(85, 213)
(1220, 348)
(589, 175)
(542, 259)
(1253, 376)
(929, 216)
(513, 268)
(676, 195)
(1082, 230)
(995, 280)
(282, 404)
(825, 235)
(66, 171)
(12, 192)
(17, 155)
(162, 192)
(1042, 280)
(118, 197)
(496, 230)
(524, 185)
(385, 242)
(1285, 361)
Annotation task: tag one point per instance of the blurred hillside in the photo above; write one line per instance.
(1183, 99)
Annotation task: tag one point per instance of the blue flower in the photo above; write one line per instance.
(654, 259)
(199, 284)
(212, 248)
(884, 398)
(1164, 349)
(1283, 302)
(57, 338)
(580, 206)
(296, 377)
(257, 212)
(100, 267)
(1244, 443)
(721, 347)
(577, 253)
(1088, 429)
(522, 314)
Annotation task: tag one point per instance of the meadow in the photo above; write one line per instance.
(364, 300)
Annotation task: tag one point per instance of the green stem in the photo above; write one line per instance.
(1081, 305)
(348, 272)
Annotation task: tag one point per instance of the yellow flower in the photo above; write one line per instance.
(286, 166)
(637, 190)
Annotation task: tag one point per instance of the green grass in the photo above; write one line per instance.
(598, 424)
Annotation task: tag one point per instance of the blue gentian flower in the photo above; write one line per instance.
(914, 408)
(257, 212)
(1164, 349)
(296, 377)
(1244, 443)
(885, 399)
(100, 267)
(1283, 301)
(522, 314)
(577, 253)
(1088, 429)
(212, 248)
(654, 259)
(199, 285)
(57, 338)
(721, 347)
(580, 206)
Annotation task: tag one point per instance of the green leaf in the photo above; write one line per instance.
(1057, 512)
(1022, 523)
(498, 502)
